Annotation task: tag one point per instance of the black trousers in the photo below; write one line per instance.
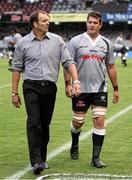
(39, 101)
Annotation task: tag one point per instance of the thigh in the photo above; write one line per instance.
(47, 102)
(99, 108)
(32, 103)
(99, 99)
(81, 103)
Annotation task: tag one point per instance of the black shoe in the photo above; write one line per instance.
(44, 165)
(37, 168)
(74, 152)
(97, 163)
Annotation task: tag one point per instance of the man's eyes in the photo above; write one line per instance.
(92, 22)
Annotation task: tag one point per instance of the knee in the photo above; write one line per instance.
(78, 120)
(98, 115)
(98, 122)
(76, 125)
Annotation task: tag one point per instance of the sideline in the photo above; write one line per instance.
(4, 86)
(84, 176)
(66, 146)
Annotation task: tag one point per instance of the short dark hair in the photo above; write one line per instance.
(96, 15)
(34, 16)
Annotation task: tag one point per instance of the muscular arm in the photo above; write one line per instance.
(73, 72)
(68, 84)
(112, 73)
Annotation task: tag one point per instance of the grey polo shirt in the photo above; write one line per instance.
(40, 59)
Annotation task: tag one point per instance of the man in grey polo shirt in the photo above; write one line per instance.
(38, 56)
(94, 57)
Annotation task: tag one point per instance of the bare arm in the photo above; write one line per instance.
(73, 72)
(112, 73)
(16, 101)
(71, 88)
(68, 83)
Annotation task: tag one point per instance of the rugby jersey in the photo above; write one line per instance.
(91, 59)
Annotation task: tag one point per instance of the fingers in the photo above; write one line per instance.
(115, 100)
(68, 91)
(73, 90)
(76, 90)
(16, 101)
(68, 94)
(115, 97)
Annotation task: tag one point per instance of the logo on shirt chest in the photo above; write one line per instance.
(92, 56)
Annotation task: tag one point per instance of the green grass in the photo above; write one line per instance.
(117, 148)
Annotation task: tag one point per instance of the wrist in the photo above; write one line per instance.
(14, 94)
(67, 83)
(115, 88)
(76, 81)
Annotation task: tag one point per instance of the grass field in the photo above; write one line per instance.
(117, 149)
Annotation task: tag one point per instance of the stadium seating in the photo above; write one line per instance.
(69, 6)
(7, 7)
(129, 8)
(111, 7)
(28, 7)
(45, 5)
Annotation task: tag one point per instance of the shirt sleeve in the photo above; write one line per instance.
(17, 62)
(72, 49)
(66, 58)
(110, 57)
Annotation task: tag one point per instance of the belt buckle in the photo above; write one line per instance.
(43, 84)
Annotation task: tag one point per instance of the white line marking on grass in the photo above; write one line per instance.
(66, 146)
(4, 86)
(82, 176)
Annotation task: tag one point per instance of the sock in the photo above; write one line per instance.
(75, 138)
(97, 145)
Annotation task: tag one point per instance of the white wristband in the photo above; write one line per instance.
(14, 94)
(76, 81)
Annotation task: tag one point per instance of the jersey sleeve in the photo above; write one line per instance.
(72, 49)
(110, 57)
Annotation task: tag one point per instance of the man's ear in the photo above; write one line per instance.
(101, 25)
(35, 24)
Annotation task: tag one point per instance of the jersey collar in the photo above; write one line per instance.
(90, 39)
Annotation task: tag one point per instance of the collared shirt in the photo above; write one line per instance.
(92, 59)
(40, 59)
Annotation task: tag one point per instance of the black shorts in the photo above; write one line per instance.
(85, 100)
(123, 50)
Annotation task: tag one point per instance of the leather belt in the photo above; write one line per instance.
(40, 82)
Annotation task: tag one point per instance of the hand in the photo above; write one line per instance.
(76, 89)
(16, 101)
(115, 97)
(68, 90)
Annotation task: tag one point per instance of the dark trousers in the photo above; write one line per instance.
(39, 101)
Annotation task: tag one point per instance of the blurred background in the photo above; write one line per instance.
(68, 17)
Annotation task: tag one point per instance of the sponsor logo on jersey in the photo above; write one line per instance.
(92, 56)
